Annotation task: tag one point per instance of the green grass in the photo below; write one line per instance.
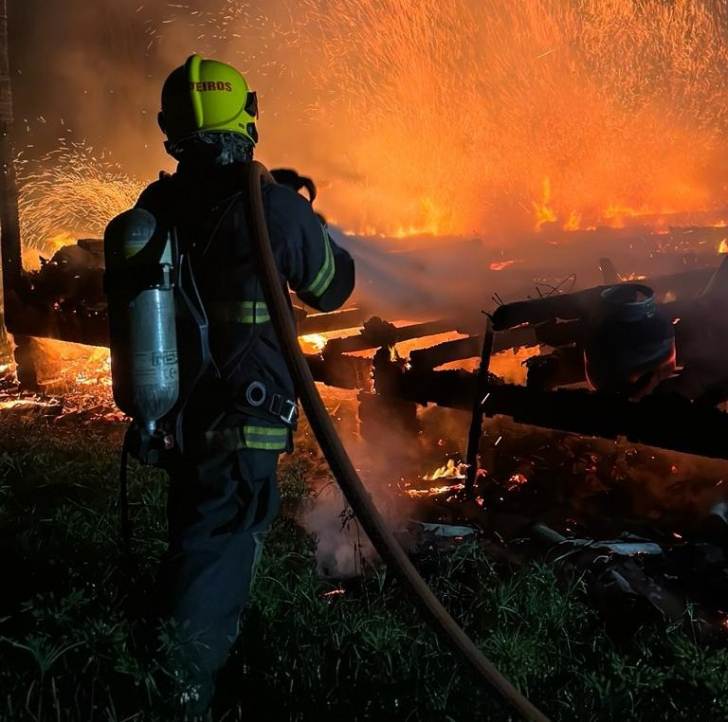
(75, 644)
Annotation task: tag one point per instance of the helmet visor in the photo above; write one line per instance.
(251, 104)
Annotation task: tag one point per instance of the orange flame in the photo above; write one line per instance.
(614, 108)
(313, 343)
(543, 210)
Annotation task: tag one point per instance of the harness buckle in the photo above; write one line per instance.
(285, 409)
(291, 412)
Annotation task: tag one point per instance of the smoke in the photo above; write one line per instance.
(342, 547)
(343, 550)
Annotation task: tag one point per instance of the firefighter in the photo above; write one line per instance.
(238, 405)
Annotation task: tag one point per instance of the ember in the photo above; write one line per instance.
(334, 593)
(515, 481)
(71, 193)
(436, 491)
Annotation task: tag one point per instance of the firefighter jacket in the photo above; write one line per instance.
(205, 208)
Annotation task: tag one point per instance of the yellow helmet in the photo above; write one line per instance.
(207, 96)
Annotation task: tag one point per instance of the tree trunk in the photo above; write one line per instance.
(9, 221)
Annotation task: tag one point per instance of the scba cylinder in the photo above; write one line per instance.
(141, 307)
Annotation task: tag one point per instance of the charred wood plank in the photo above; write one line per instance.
(344, 372)
(567, 307)
(668, 422)
(364, 342)
(334, 321)
(514, 338)
(442, 353)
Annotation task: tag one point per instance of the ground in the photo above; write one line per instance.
(76, 644)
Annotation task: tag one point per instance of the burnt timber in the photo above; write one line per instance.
(46, 306)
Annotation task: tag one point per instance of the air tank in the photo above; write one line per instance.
(141, 307)
(629, 338)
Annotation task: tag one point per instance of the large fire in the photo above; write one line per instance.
(454, 116)
(459, 115)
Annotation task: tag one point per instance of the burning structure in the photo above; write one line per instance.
(629, 175)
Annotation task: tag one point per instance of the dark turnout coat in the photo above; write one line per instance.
(206, 209)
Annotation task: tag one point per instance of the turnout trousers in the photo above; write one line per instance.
(220, 506)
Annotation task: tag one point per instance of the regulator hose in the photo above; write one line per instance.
(348, 479)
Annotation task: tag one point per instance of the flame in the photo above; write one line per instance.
(459, 116)
(573, 222)
(32, 254)
(500, 265)
(520, 114)
(435, 491)
(511, 365)
(451, 470)
(433, 222)
(543, 210)
(616, 213)
(313, 343)
(723, 246)
(632, 276)
(74, 378)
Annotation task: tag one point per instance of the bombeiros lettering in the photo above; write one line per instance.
(207, 85)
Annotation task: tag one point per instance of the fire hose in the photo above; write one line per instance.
(346, 476)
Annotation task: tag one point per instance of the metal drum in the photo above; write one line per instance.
(629, 338)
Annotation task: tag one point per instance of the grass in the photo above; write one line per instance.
(76, 645)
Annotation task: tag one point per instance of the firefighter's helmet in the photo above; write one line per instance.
(207, 96)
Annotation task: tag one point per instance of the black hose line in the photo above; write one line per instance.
(354, 491)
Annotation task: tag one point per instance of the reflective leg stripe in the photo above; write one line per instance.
(250, 312)
(326, 274)
(249, 437)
